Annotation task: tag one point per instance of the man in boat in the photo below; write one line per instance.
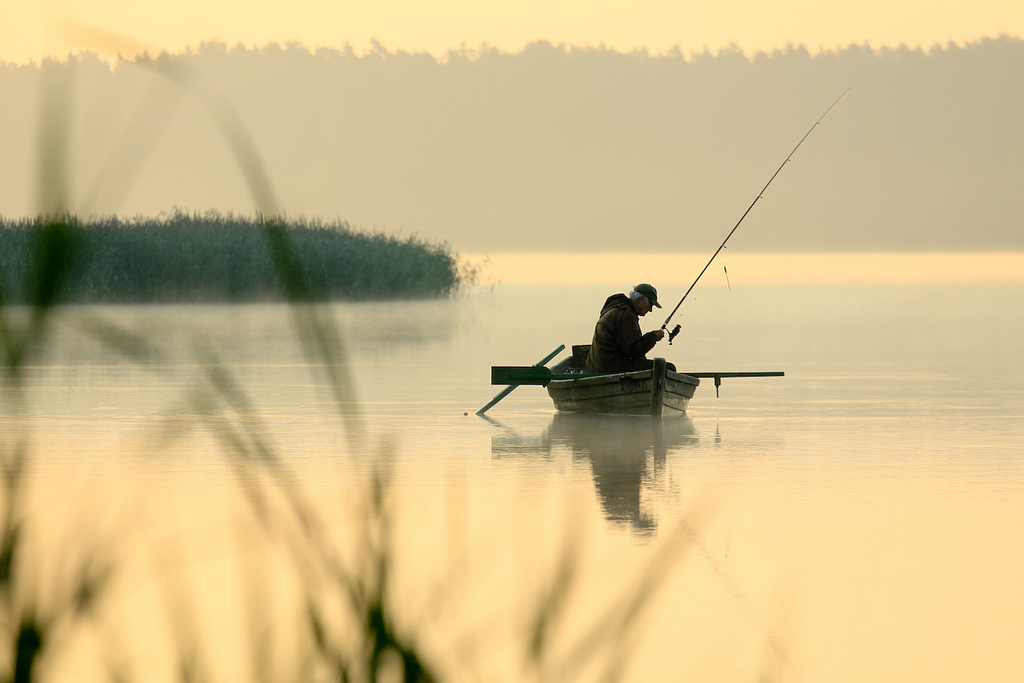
(618, 344)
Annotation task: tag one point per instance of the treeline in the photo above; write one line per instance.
(554, 148)
(211, 257)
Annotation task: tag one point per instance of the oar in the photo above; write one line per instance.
(533, 374)
(509, 389)
(719, 375)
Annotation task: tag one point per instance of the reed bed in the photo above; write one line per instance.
(211, 257)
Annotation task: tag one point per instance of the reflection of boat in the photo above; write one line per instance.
(614, 434)
(626, 455)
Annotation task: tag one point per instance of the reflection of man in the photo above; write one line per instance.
(618, 345)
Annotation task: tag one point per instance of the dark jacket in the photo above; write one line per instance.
(617, 338)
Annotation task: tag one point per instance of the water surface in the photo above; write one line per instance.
(859, 519)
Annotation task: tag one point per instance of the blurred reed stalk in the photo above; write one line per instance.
(354, 629)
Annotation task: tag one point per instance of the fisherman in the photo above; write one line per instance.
(618, 344)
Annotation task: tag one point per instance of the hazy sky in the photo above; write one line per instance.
(547, 149)
(33, 28)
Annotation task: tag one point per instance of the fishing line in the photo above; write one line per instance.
(675, 330)
(725, 269)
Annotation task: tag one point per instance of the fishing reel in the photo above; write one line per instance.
(673, 333)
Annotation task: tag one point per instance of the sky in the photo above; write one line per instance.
(33, 29)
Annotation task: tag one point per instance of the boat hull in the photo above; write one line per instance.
(624, 393)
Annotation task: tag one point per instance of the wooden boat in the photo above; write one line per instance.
(655, 392)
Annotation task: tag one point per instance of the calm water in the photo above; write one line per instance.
(860, 519)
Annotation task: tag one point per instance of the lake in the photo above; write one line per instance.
(861, 518)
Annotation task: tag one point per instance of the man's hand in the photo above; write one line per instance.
(660, 334)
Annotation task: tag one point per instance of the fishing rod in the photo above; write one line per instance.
(675, 330)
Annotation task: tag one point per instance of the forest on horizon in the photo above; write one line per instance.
(558, 148)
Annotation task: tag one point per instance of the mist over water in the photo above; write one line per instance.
(859, 514)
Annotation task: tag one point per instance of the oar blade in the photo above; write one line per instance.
(520, 374)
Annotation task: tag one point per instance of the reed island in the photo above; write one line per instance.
(189, 257)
